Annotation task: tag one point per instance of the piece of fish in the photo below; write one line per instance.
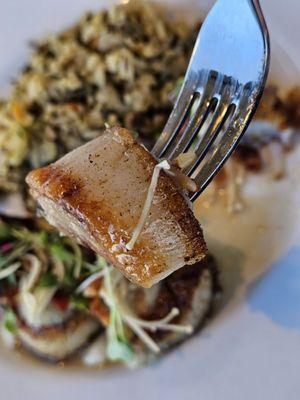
(96, 195)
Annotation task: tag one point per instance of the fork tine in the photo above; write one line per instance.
(193, 84)
(228, 142)
(180, 110)
(220, 115)
(237, 48)
(206, 102)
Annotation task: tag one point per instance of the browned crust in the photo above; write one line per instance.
(67, 190)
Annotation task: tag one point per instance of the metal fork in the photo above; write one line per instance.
(221, 89)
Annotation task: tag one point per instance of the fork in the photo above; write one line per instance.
(221, 89)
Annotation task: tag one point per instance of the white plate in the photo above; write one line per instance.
(251, 350)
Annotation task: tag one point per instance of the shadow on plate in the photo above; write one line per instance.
(230, 261)
(276, 294)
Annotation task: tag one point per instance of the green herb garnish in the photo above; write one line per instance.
(59, 250)
(10, 321)
(47, 279)
(5, 231)
(79, 302)
(118, 349)
(12, 279)
(18, 251)
(34, 239)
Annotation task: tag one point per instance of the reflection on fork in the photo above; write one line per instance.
(221, 89)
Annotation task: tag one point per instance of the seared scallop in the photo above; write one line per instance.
(58, 342)
(191, 291)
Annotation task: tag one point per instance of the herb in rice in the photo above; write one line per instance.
(117, 66)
